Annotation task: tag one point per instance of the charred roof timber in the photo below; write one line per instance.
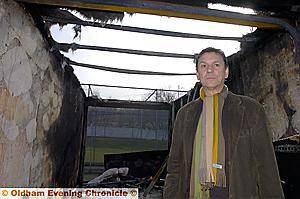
(165, 9)
(53, 19)
(174, 9)
(65, 47)
(126, 71)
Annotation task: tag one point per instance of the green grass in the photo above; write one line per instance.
(96, 147)
(88, 177)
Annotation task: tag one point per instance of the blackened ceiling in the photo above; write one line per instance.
(279, 8)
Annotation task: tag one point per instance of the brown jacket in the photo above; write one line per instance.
(252, 166)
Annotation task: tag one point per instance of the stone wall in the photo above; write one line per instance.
(41, 107)
(266, 70)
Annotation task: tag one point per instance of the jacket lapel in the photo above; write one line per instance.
(194, 119)
(191, 123)
(232, 120)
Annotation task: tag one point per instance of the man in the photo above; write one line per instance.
(221, 146)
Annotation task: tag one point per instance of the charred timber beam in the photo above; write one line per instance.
(126, 71)
(65, 47)
(144, 30)
(162, 9)
(175, 10)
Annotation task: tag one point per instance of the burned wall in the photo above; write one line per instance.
(267, 71)
(41, 107)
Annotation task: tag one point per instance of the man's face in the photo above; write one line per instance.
(211, 71)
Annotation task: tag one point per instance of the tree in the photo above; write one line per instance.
(160, 96)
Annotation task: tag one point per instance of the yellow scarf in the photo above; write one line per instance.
(208, 165)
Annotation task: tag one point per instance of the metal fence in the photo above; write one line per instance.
(113, 130)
